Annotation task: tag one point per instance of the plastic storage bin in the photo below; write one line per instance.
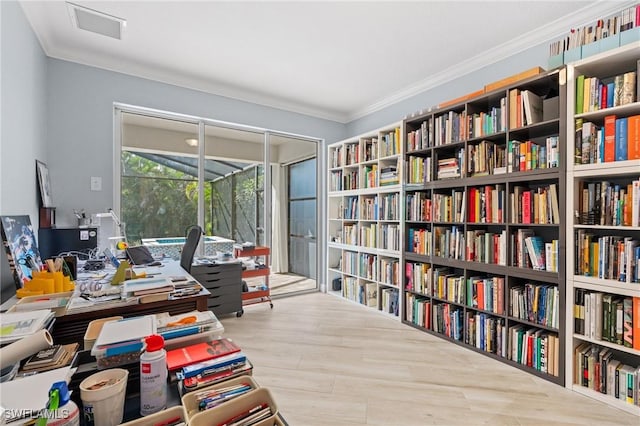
(237, 406)
(190, 403)
(93, 330)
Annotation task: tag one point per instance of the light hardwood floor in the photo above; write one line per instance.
(328, 361)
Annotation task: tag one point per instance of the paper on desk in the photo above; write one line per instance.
(141, 284)
(30, 392)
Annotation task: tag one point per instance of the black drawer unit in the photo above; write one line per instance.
(224, 282)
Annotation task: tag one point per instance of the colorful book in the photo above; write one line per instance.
(178, 358)
(610, 138)
(621, 139)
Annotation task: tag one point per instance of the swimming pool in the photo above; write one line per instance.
(172, 246)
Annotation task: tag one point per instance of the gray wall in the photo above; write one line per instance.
(80, 126)
(23, 136)
(535, 56)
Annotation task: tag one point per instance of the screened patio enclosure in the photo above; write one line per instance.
(169, 182)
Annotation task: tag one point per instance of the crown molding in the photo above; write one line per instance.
(552, 30)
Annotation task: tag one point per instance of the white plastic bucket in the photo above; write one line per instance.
(104, 406)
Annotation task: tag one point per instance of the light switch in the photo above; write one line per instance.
(96, 183)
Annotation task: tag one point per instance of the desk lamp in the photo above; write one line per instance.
(121, 234)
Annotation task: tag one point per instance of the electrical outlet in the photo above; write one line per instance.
(96, 183)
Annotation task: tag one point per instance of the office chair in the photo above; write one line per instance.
(189, 249)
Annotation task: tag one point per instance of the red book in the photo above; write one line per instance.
(526, 207)
(633, 138)
(603, 96)
(178, 358)
(610, 138)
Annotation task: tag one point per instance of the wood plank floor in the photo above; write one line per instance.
(328, 361)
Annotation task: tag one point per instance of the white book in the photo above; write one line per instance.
(532, 107)
(126, 330)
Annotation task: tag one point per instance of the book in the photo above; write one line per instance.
(532, 107)
(610, 138)
(45, 357)
(178, 358)
(67, 352)
(636, 323)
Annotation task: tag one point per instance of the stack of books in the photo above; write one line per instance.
(202, 364)
(56, 356)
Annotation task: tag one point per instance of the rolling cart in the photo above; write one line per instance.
(259, 294)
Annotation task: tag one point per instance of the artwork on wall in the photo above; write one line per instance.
(20, 245)
(44, 183)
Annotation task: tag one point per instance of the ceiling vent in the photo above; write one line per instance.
(96, 22)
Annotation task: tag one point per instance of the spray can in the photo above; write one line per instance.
(153, 376)
(61, 410)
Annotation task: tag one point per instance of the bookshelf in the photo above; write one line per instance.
(365, 224)
(602, 222)
(484, 189)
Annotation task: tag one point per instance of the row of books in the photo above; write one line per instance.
(609, 257)
(368, 266)
(486, 204)
(486, 247)
(617, 140)
(601, 370)
(380, 207)
(390, 271)
(351, 152)
(350, 262)
(534, 205)
(418, 207)
(486, 158)
(389, 174)
(370, 176)
(448, 286)
(535, 348)
(536, 303)
(609, 203)
(594, 94)
(609, 317)
(350, 234)
(420, 139)
(365, 293)
(349, 208)
(449, 208)
(389, 238)
(448, 242)
(389, 302)
(420, 241)
(383, 236)
(525, 108)
(449, 128)
(486, 293)
(419, 169)
(335, 180)
(529, 155)
(487, 123)
(607, 26)
(390, 143)
(350, 180)
(370, 149)
(368, 235)
(419, 277)
(531, 251)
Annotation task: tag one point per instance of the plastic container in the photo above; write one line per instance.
(236, 406)
(93, 331)
(153, 376)
(118, 356)
(104, 405)
(190, 401)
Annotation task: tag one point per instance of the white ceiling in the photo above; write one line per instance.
(336, 60)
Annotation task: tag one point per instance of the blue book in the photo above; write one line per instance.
(211, 366)
(610, 92)
(621, 139)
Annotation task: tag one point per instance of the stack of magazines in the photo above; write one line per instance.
(16, 325)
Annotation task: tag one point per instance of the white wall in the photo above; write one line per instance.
(535, 56)
(23, 112)
(80, 121)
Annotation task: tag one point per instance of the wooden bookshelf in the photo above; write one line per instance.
(596, 289)
(365, 226)
(468, 275)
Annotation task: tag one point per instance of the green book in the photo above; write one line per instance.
(580, 94)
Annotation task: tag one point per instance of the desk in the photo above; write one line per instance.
(71, 327)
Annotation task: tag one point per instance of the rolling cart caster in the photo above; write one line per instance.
(239, 313)
(271, 304)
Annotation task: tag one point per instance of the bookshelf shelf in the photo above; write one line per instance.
(607, 344)
(607, 399)
(471, 206)
(365, 214)
(593, 302)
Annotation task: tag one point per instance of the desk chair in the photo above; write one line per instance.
(189, 249)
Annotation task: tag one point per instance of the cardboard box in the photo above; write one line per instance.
(513, 79)
(236, 406)
(190, 403)
(461, 99)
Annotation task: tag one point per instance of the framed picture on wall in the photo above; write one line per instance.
(44, 183)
